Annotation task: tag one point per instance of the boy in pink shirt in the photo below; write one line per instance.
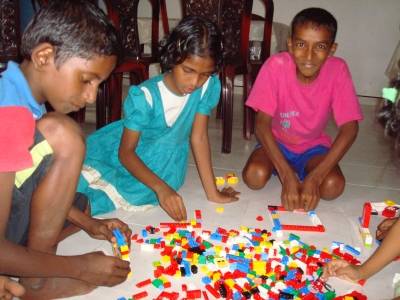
(295, 94)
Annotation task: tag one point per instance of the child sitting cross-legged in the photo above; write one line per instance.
(295, 94)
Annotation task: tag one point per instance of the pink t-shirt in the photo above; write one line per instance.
(301, 111)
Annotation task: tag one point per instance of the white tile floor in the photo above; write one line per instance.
(371, 176)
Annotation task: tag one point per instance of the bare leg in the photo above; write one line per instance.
(52, 201)
(333, 184)
(71, 229)
(257, 170)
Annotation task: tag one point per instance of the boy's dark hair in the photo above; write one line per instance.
(317, 17)
(194, 35)
(76, 28)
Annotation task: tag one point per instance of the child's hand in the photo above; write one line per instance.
(383, 228)
(309, 194)
(102, 229)
(291, 193)
(10, 288)
(341, 269)
(172, 203)
(226, 195)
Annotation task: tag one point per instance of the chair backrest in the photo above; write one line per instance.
(124, 15)
(233, 18)
(9, 32)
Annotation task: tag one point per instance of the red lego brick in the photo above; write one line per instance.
(140, 295)
(143, 283)
(366, 216)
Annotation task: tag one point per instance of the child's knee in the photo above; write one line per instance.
(63, 134)
(255, 176)
(332, 187)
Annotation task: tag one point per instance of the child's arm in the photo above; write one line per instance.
(345, 138)
(290, 184)
(202, 156)
(169, 200)
(389, 250)
(10, 288)
(98, 228)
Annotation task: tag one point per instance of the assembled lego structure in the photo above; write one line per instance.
(278, 226)
(387, 209)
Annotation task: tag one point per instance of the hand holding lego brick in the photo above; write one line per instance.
(10, 288)
(102, 229)
(102, 270)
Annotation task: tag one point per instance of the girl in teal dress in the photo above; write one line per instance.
(141, 160)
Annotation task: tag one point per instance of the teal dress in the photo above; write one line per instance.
(164, 149)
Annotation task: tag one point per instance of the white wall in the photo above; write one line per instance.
(368, 32)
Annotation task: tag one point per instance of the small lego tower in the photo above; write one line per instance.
(387, 209)
(120, 248)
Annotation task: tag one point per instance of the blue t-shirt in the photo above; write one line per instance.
(15, 91)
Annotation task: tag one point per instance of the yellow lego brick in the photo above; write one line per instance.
(216, 276)
(219, 209)
(217, 249)
(125, 257)
(193, 222)
(259, 267)
(294, 249)
(230, 283)
(219, 181)
(124, 248)
(233, 180)
(220, 262)
(156, 264)
(389, 202)
(165, 259)
(243, 228)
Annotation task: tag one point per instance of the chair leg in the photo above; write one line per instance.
(227, 109)
(247, 112)
(115, 105)
(101, 105)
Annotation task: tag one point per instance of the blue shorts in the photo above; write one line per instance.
(298, 161)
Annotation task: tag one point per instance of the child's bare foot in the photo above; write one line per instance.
(53, 288)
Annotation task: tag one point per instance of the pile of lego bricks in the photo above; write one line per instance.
(244, 263)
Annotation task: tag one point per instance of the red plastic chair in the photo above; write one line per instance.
(249, 115)
(233, 18)
(124, 14)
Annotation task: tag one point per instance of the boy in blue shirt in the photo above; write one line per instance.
(68, 49)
